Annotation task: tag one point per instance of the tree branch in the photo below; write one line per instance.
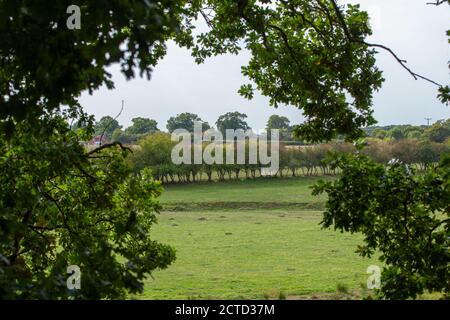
(107, 126)
(437, 3)
(109, 145)
(400, 61)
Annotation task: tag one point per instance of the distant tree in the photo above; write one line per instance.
(282, 124)
(232, 120)
(82, 124)
(106, 126)
(379, 133)
(123, 137)
(155, 149)
(414, 134)
(185, 121)
(154, 152)
(429, 153)
(139, 128)
(396, 133)
(439, 131)
(278, 122)
(142, 126)
(406, 151)
(378, 150)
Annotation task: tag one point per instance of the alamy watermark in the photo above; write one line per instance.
(374, 280)
(239, 147)
(74, 20)
(74, 280)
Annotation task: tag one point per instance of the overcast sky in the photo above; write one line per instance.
(414, 30)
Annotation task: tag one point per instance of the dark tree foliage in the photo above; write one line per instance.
(278, 122)
(439, 131)
(232, 121)
(185, 121)
(106, 126)
(283, 125)
(404, 216)
(142, 126)
(60, 204)
(309, 54)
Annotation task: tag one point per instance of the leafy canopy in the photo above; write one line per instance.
(64, 206)
(61, 204)
(278, 122)
(185, 121)
(404, 216)
(106, 126)
(142, 126)
(309, 54)
(233, 121)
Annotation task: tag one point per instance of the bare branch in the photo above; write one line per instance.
(110, 123)
(109, 145)
(400, 61)
(437, 3)
(207, 19)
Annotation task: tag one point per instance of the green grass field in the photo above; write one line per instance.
(252, 254)
(258, 190)
(228, 253)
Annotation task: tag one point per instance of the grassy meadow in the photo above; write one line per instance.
(249, 239)
(263, 190)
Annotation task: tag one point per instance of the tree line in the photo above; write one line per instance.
(111, 129)
(154, 152)
(437, 132)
